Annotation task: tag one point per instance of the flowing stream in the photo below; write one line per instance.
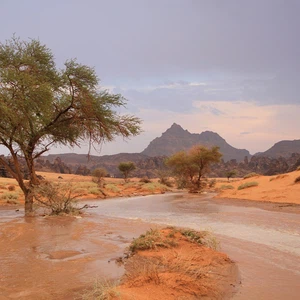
(265, 244)
(37, 255)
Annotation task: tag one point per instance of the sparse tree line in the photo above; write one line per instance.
(42, 106)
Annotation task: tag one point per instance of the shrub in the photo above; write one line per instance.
(9, 196)
(247, 185)
(113, 188)
(94, 191)
(102, 290)
(297, 180)
(57, 197)
(152, 239)
(145, 180)
(11, 188)
(226, 187)
(253, 174)
(212, 183)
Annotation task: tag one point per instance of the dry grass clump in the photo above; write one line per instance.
(112, 187)
(226, 187)
(253, 174)
(247, 185)
(9, 196)
(279, 177)
(297, 179)
(145, 268)
(102, 290)
(204, 238)
(152, 239)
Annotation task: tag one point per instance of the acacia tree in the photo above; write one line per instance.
(42, 106)
(126, 168)
(192, 165)
(98, 175)
(230, 174)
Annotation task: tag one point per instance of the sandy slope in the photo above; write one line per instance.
(280, 188)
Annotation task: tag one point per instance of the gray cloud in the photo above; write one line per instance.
(165, 55)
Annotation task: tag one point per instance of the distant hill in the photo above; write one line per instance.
(176, 139)
(81, 164)
(283, 148)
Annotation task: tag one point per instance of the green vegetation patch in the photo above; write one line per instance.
(253, 174)
(153, 186)
(112, 187)
(204, 238)
(247, 185)
(226, 187)
(152, 239)
(9, 196)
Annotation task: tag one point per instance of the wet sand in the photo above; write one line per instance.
(58, 257)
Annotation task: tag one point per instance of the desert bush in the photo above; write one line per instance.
(11, 188)
(146, 269)
(57, 197)
(112, 187)
(152, 239)
(145, 180)
(253, 174)
(212, 183)
(102, 290)
(226, 187)
(297, 180)
(9, 196)
(204, 238)
(247, 185)
(153, 186)
(94, 191)
(98, 174)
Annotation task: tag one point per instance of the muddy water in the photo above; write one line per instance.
(265, 243)
(58, 257)
(54, 258)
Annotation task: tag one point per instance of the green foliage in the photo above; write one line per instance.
(212, 183)
(152, 239)
(190, 167)
(112, 187)
(247, 185)
(230, 174)
(153, 186)
(98, 175)
(126, 168)
(94, 191)
(9, 196)
(226, 187)
(251, 175)
(59, 198)
(42, 105)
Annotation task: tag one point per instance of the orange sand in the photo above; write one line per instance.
(280, 188)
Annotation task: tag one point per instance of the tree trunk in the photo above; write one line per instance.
(28, 203)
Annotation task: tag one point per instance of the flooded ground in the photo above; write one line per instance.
(55, 257)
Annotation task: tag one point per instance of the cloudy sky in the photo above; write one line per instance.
(232, 67)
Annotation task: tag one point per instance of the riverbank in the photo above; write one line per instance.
(282, 188)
